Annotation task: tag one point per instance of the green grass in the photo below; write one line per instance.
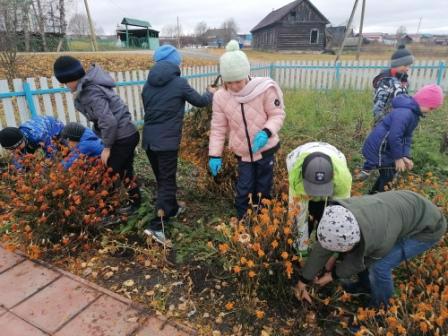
(343, 118)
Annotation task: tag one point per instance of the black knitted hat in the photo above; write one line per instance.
(401, 56)
(68, 69)
(11, 137)
(73, 131)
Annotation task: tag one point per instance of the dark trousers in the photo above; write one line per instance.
(164, 166)
(121, 161)
(315, 213)
(387, 175)
(253, 178)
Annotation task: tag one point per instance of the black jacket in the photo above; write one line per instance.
(164, 96)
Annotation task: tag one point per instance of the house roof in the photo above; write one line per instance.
(278, 14)
(135, 22)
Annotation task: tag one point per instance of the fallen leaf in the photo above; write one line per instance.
(128, 283)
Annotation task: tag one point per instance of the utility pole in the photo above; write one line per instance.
(360, 38)
(347, 30)
(419, 24)
(92, 29)
(178, 33)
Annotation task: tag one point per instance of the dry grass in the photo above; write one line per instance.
(370, 52)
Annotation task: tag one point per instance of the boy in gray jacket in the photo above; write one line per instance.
(373, 235)
(112, 122)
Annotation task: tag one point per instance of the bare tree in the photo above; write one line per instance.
(170, 30)
(79, 25)
(230, 29)
(9, 21)
(200, 32)
(41, 21)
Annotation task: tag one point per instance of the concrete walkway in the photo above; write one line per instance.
(37, 300)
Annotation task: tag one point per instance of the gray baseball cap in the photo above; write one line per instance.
(317, 173)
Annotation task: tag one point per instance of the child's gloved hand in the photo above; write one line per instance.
(260, 140)
(215, 165)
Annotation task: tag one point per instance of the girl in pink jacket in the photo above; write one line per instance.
(250, 111)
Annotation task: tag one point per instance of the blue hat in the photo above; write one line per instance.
(167, 53)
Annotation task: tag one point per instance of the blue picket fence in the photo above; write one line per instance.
(28, 98)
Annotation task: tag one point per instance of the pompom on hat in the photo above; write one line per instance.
(234, 64)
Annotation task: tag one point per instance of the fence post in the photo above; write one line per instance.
(440, 72)
(338, 72)
(272, 70)
(29, 99)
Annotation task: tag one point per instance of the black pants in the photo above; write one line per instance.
(253, 178)
(121, 161)
(315, 213)
(387, 174)
(164, 166)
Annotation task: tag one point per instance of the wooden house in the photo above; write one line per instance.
(296, 26)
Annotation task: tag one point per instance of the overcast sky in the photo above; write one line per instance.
(381, 15)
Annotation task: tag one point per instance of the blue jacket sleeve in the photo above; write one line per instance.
(193, 97)
(70, 159)
(399, 124)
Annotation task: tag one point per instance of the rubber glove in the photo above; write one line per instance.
(215, 165)
(260, 140)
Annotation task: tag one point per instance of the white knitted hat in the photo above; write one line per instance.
(338, 230)
(234, 65)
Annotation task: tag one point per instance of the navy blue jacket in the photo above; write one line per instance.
(89, 145)
(164, 96)
(391, 139)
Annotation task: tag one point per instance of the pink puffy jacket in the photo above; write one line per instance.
(263, 108)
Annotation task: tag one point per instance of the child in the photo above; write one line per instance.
(391, 83)
(81, 140)
(251, 112)
(112, 122)
(38, 132)
(373, 235)
(164, 96)
(388, 146)
(317, 173)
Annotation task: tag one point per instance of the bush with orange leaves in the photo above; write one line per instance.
(420, 306)
(49, 208)
(258, 253)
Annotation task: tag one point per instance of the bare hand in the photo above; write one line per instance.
(324, 279)
(301, 293)
(212, 89)
(400, 166)
(330, 263)
(105, 154)
(408, 162)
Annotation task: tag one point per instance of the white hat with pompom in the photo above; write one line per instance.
(234, 65)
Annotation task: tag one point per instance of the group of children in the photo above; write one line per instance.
(372, 234)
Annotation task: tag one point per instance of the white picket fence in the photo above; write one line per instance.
(311, 75)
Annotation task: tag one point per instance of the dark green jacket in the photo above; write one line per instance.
(384, 219)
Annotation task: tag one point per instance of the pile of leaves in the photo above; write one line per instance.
(49, 208)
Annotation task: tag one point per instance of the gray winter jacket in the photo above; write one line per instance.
(97, 101)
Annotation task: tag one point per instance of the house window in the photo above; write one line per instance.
(314, 36)
(292, 16)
